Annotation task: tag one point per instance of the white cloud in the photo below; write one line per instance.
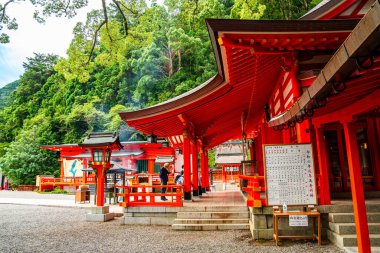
(31, 37)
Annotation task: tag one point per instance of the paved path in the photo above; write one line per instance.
(43, 199)
(30, 228)
(34, 222)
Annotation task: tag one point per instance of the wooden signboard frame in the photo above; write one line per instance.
(289, 174)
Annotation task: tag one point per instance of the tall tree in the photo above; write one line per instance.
(24, 159)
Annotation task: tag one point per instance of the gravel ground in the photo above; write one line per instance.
(55, 229)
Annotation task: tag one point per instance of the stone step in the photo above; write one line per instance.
(355, 249)
(214, 209)
(350, 228)
(371, 208)
(212, 215)
(211, 221)
(348, 195)
(350, 240)
(349, 217)
(200, 227)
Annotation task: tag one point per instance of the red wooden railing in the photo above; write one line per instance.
(90, 179)
(50, 182)
(150, 195)
(26, 187)
(255, 186)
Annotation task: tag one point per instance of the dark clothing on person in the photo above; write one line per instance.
(164, 180)
(164, 175)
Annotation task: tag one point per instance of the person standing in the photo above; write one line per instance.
(164, 172)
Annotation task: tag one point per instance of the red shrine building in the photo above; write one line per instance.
(228, 157)
(134, 158)
(313, 80)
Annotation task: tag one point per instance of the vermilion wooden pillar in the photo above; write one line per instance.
(203, 171)
(303, 131)
(357, 189)
(259, 154)
(285, 136)
(194, 165)
(374, 150)
(151, 166)
(324, 188)
(207, 186)
(62, 169)
(100, 187)
(186, 167)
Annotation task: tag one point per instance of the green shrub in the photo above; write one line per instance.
(57, 190)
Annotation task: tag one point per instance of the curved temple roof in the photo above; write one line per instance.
(342, 69)
(250, 56)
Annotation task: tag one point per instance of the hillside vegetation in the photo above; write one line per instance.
(142, 57)
(6, 92)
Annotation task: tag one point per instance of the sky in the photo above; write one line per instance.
(53, 37)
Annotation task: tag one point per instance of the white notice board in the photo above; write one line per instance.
(289, 174)
(298, 221)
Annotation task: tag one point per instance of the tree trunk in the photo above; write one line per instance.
(179, 60)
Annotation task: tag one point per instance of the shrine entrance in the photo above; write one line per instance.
(339, 180)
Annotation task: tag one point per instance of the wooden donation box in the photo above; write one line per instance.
(82, 194)
(290, 181)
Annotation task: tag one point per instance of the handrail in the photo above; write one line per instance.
(256, 185)
(143, 195)
(63, 181)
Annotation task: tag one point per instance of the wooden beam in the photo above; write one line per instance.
(365, 104)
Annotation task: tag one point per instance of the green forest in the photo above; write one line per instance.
(128, 55)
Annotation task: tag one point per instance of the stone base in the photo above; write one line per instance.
(100, 209)
(100, 214)
(100, 217)
(150, 215)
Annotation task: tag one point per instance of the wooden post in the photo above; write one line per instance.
(252, 152)
(285, 136)
(357, 189)
(259, 154)
(62, 169)
(223, 174)
(194, 165)
(203, 171)
(303, 131)
(151, 166)
(324, 189)
(100, 187)
(186, 167)
(207, 185)
(374, 150)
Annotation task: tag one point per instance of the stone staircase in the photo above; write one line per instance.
(212, 218)
(342, 230)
